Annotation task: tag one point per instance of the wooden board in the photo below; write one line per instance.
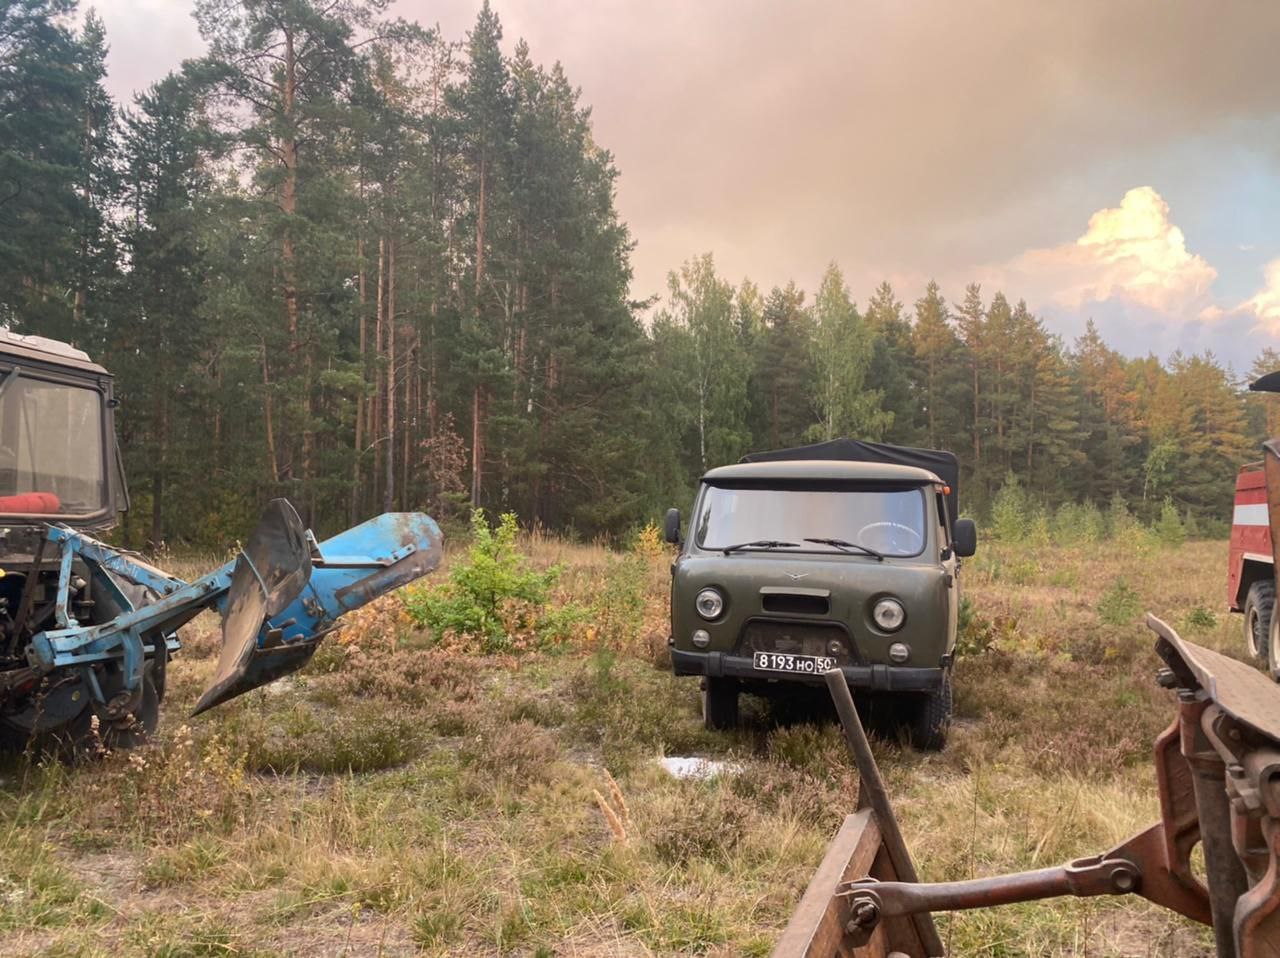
(816, 929)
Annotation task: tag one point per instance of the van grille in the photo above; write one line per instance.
(799, 638)
(791, 603)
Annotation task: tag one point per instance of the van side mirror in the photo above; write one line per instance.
(965, 537)
(671, 527)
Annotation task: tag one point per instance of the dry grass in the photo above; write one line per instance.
(398, 799)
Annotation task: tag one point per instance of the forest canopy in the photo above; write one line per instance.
(348, 260)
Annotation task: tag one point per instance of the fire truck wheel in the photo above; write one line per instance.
(1258, 605)
(1273, 648)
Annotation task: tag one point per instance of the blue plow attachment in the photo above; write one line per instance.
(287, 592)
(279, 597)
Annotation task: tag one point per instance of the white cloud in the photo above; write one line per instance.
(1132, 252)
(1265, 304)
(1132, 273)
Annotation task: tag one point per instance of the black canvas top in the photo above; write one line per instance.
(943, 464)
(1270, 383)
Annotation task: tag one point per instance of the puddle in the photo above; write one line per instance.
(698, 768)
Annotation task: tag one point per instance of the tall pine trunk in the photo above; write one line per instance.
(359, 438)
(389, 490)
(375, 407)
(478, 393)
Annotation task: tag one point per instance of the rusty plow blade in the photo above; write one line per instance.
(1217, 770)
(286, 592)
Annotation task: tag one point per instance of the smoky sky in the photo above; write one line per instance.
(900, 140)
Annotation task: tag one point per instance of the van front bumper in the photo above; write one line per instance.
(876, 678)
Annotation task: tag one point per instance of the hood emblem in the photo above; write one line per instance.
(797, 576)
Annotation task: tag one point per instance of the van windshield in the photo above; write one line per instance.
(51, 448)
(892, 522)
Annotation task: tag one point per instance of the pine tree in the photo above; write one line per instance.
(891, 365)
(50, 97)
(157, 350)
(938, 378)
(485, 110)
(289, 66)
(783, 373)
(969, 318)
(842, 351)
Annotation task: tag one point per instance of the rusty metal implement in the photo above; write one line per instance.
(1218, 779)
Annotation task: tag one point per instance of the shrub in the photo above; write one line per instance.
(1078, 522)
(619, 608)
(1093, 525)
(977, 634)
(1200, 619)
(1038, 530)
(1120, 604)
(491, 594)
(1010, 513)
(1169, 528)
(1120, 521)
(1125, 528)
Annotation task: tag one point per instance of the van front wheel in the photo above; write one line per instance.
(719, 704)
(929, 718)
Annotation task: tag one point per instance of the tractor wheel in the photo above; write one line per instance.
(719, 704)
(929, 718)
(79, 740)
(75, 738)
(1258, 606)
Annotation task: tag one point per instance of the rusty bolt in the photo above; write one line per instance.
(1124, 880)
(865, 913)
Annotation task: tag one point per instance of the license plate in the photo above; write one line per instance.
(785, 662)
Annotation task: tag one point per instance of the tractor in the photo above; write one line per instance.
(87, 629)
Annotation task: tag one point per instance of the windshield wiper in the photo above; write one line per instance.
(761, 544)
(844, 546)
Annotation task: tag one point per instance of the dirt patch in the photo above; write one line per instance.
(340, 934)
(114, 876)
(1131, 933)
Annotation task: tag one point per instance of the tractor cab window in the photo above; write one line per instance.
(51, 447)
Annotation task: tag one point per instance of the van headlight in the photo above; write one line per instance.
(709, 604)
(889, 615)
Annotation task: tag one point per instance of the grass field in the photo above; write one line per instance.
(403, 796)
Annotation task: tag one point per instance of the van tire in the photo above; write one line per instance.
(1258, 607)
(719, 704)
(930, 718)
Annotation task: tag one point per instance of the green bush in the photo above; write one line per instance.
(1169, 528)
(1011, 511)
(492, 578)
(1076, 523)
(1120, 604)
(1120, 521)
(1200, 619)
(1039, 531)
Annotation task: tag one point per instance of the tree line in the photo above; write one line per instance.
(346, 259)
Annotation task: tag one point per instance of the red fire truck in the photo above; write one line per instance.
(1251, 583)
(1251, 587)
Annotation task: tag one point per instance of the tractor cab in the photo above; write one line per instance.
(58, 456)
